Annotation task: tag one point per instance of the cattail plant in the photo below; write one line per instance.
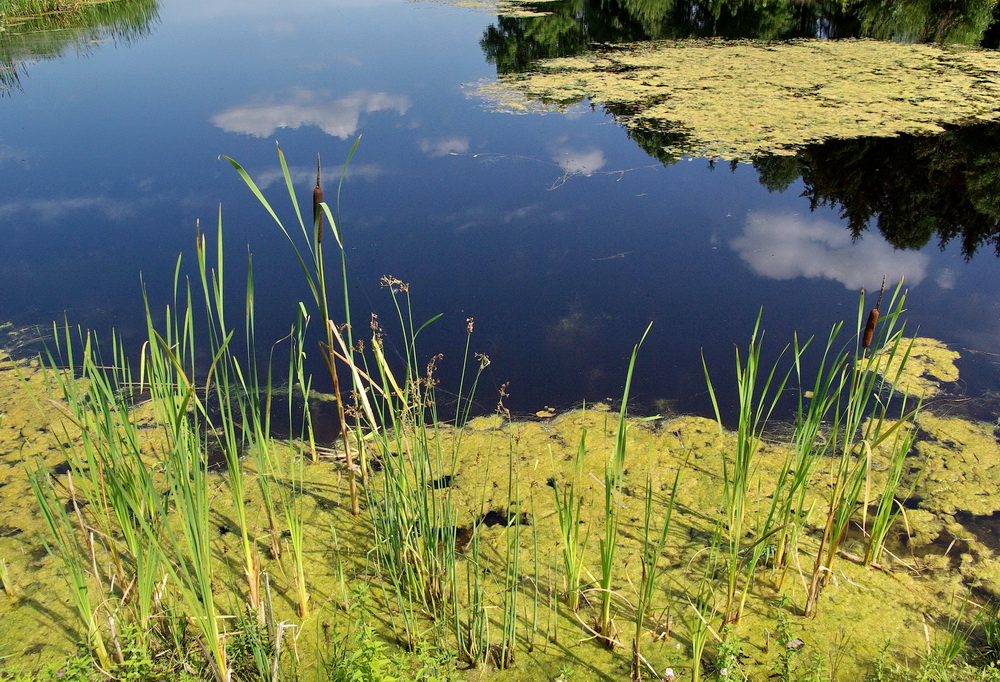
(861, 424)
(65, 548)
(222, 386)
(512, 564)
(258, 417)
(113, 494)
(313, 266)
(703, 617)
(889, 506)
(291, 494)
(791, 487)
(318, 203)
(873, 315)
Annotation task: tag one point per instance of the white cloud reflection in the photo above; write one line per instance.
(579, 161)
(786, 246)
(17, 156)
(444, 146)
(946, 278)
(339, 117)
(51, 210)
(306, 175)
(198, 10)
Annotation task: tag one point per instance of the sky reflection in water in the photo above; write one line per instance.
(557, 233)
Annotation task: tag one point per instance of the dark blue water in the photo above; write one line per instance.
(557, 233)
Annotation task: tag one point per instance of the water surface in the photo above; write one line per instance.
(563, 235)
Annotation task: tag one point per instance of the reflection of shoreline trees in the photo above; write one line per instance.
(572, 26)
(52, 35)
(913, 188)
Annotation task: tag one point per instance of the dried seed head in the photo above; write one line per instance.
(866, 340)
(873, 316)
(468, 324)
(501, 408)
(881, 292)
(483, 359)
(431, 366)
(390, 282)
(317, 200)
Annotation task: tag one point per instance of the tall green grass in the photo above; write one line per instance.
(759, 390)
(569, 507)
(653, 543)
(614, 473)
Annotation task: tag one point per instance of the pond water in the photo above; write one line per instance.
(562, 233)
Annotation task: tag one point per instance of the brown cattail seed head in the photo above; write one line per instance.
(866, 340)
(317, 200)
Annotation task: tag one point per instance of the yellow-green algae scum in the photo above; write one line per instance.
(507, 8)
(859, 612)
(739, 100)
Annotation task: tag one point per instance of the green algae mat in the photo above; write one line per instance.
(740, 100)
(936, 561)
(506, 8)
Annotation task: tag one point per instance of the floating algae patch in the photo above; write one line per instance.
(500, 98)
(961, 465)
(505, 8)
(739, 100)
(930, 364)
(503, 473)
(39, 621)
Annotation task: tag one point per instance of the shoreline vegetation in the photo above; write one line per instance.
(14, 10)
(172, 536)
(34, 30)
